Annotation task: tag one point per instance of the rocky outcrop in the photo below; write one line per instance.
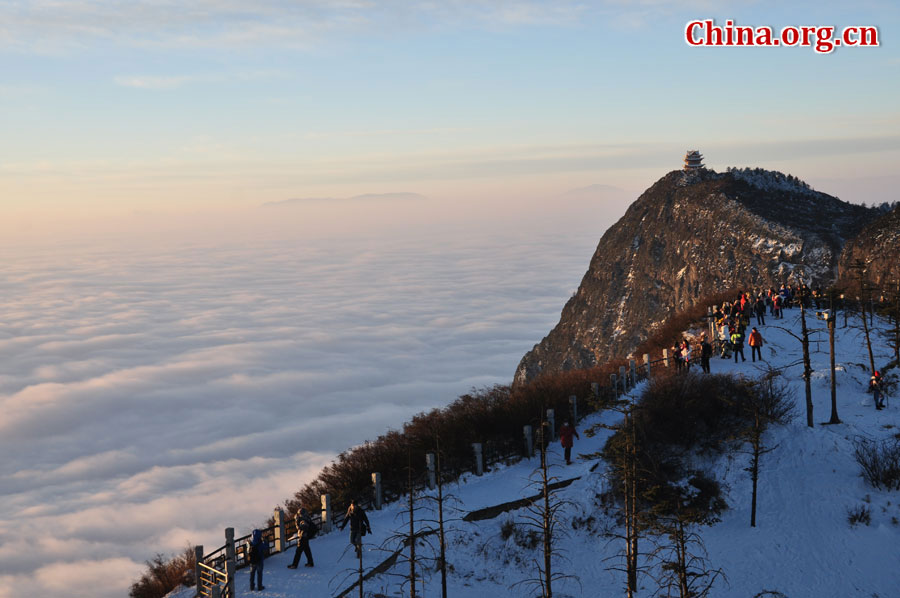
(687, 236)
(877, 247)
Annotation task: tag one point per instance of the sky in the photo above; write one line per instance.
(238, 238)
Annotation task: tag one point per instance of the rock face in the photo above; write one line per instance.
(687, 236)
(878, 247)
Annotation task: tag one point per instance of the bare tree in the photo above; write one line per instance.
(864, 289)
(683, 569)
(768, 403)
(807, 364)
(542, 515)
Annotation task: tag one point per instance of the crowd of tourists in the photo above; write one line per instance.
(734, 318)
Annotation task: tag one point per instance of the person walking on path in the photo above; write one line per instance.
(737, 344)
(256, 554)
(705, 353)
(306, 531)
(565, 439)
(359, 525)
(685, 355)
(760, 307)
(756, 343)
(875, 387)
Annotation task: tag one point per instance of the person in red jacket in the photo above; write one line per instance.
(565, 438)
(756, 343)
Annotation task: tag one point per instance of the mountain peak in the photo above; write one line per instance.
(692, 233)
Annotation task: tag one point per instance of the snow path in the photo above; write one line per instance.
(803, 545)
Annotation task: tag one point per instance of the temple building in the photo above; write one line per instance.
(693, 160)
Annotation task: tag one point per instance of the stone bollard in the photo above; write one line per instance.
(280, 544)
(624, 378)
(229, 570)
(615, 385)
(479, 460)
(216, 591)
(229, 544)
(666, 357)
(647, 365)
(633, 366)
(551, 425)
(377, 491)
(198, 558)
(573, 406)
(529, 441)
(326, 513)
(595, 389)
(429, 463)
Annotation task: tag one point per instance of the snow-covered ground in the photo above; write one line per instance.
(803, 545)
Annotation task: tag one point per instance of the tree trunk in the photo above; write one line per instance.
(442, 539)
(834, 414)
(547, 514)
(754, 466)
(412, 537)
(807, 367)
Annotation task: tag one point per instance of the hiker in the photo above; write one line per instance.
(776, 306)
(256, 553)
(565, 439)
(686, 354)
(875, 387)
(676, 355)
(756, 342)
(737, 344)
(306, 531)
(359, 525)
(705, 353)
(760, 307)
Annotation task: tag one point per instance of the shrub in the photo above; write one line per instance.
(880, 462)
(680, 414)
(860, 514)
(163, 576)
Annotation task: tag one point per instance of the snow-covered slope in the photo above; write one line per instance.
(803, 545)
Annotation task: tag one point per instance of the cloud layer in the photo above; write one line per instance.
(142, 392)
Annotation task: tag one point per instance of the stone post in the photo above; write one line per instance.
(633, 366)
(229, 570)
(573, 406)
(624, 378)
(614, 384)
(377, 491)
(479, 460)
(229, 544)
(216, 591)
(551, 424)
(529, 441)
(198, 558)
(280, 544)
(326, 513)
(430, 464)
(666, 357)
(595, 389)
(647, 365)
(712, 323)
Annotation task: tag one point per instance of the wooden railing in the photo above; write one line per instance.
(211, 582)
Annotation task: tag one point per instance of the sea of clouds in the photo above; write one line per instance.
(152, 395)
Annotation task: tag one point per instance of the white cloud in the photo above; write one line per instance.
(143, 390)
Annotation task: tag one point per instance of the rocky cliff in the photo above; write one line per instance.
(878, 247)
(690, 235)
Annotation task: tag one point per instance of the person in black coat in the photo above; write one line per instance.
(705, 353)
(359, 525)
(305, 530)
